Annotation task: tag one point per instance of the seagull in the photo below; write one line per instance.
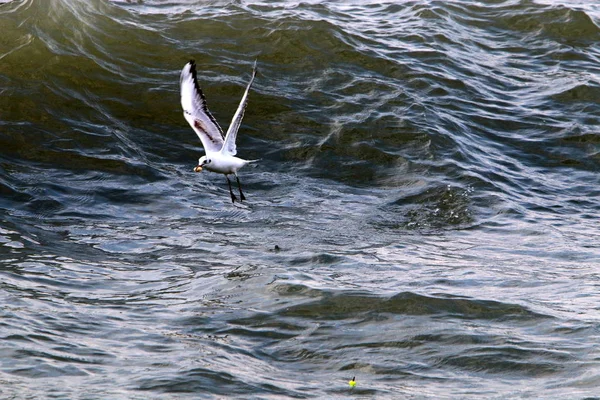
(220, 149)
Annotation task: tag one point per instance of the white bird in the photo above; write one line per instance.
(220, 149)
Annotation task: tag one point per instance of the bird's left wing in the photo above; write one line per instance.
(229, 146)
(196, 112)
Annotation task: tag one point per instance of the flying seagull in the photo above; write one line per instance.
(220, 149)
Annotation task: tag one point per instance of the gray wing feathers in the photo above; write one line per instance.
(196, 111)
(229, 146)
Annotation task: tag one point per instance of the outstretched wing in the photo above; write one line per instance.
(229, 145)
(196, 112)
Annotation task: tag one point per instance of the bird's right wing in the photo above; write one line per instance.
(196, 112)
(229, 147)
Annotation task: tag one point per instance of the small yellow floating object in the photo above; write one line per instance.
(352, 382)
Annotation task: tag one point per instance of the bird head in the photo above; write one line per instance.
(201, 163)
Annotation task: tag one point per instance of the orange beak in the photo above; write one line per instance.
(198, 169)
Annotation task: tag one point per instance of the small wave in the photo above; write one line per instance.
(581, 93)
(341, 306)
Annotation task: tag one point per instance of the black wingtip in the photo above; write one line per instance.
(255, 68)
(194, 73)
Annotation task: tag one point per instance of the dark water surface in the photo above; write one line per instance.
(424, 215)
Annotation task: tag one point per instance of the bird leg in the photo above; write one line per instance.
(242, 197)
(233, 198)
